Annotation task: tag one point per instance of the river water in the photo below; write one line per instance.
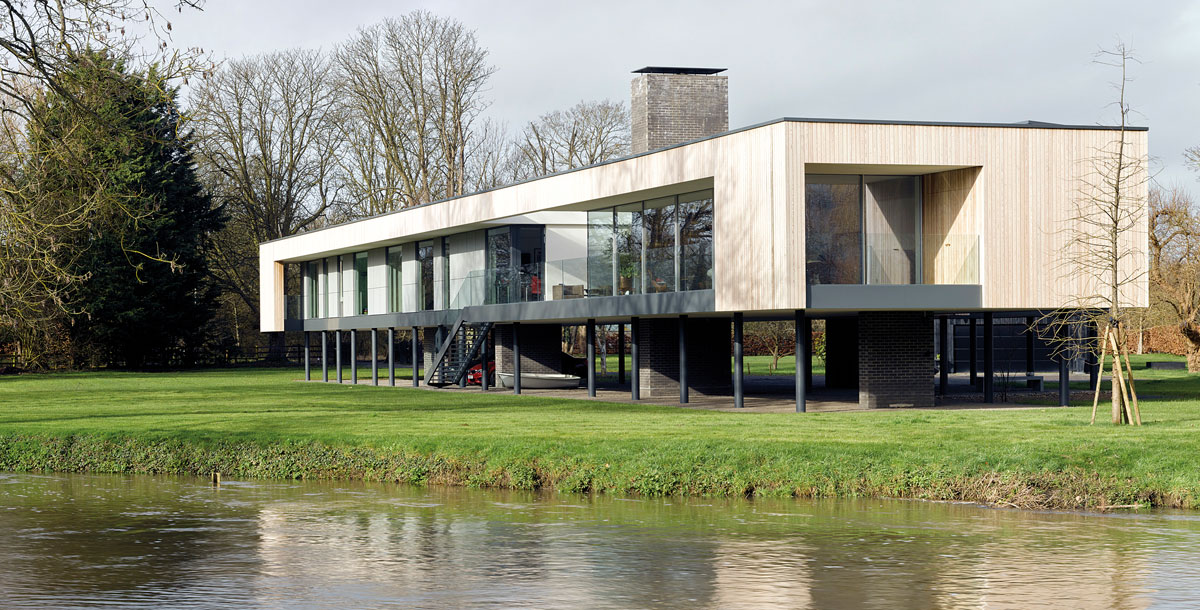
(91, 541)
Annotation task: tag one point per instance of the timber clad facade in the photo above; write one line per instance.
(824, 218)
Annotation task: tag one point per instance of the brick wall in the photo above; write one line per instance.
(541, 348)
(667, 109)
(708, 353)
(895, 359)
(841, 353)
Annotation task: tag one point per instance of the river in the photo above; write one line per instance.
(92, 541)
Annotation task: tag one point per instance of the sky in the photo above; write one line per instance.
(999, 61)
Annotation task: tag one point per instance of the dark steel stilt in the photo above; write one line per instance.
(337, 338)
(375, 356)
(738, 370)
(307, 361)
(416, 357)
(803, 348)
(944, 358)
(354, 356)
(590, 332)
(1093, 357)
(391, 335)
(635, 370)
(1029, 332)
(973, 347)
(1064, 381)
(324, 357)
(989, 360)
(683, 377)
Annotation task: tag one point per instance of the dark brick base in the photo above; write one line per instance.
(708, 353)
(841, 353)
(541, 348)
(895, 359)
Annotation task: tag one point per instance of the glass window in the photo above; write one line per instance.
(601, 267)
(325, 285)
(499, 265)
(529, 246)
(360, 283)
(658, 221)
(310, 285)
(833, 229)
(695, 218)
(425, 280)
(892, 207)
(395, 258)
(445, 273)
(627, 236)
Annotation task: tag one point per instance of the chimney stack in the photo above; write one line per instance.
(669, 106)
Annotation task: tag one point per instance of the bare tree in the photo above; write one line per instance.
(412, 99)
(269, 138)
(1175, 261)
(1100, 253)
(584, 134)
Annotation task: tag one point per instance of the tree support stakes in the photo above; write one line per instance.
(307, 361)
(516, 356)
(738, 391)
(801, 398)
(635, 379)
(324, 357)
(590, 329)
(391, 335)
(683, 380)
(989, 361)
(416, 360)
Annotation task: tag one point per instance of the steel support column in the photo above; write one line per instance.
(943, 358)
(354, 356)
(800, 325)
(416, 356)
(635, 376)
(337, 338)
(391, 335)
(324, 357)
(738, 369)
(516, 356)
(1029, 332)
(683, 380)
(590, 332)
(973, 347)
(989, 360)
(307, 360)
(375, 356)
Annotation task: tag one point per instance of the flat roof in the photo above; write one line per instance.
(1019, 125)
(677, 70)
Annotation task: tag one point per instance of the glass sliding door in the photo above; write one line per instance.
(425, 277)
(892, 207)
(658, 222)
(833, 229)
(516, 260)
(395, 260)
(627, 238)
(499, 265)
(694, 215)
(601, 268)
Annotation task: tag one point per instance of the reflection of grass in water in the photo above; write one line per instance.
(264, 423)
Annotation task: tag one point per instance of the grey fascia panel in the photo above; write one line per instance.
(870, 297)
(386, 320)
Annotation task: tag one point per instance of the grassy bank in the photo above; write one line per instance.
(256, 423)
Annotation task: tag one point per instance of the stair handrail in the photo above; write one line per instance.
(445, 347)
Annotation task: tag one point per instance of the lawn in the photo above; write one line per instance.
(267, 423)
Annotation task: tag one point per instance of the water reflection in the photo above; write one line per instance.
(85, 541)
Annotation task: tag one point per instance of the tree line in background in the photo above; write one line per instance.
(129, 221)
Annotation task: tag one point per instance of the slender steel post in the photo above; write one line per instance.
(516, 356)
(1029, 345)
(590, 331)
(989, 360)
(801, 342)
(620, 353)
(683, 379)
(738, 390)
(635, 377)
(416, 357)
(375, 356)
(307, 362)
(1064, 381)
(944, 349)
(973, 347)
(324, 356)
(483, 363)
(391, 335)
(337, 337)
(354, 356)
(806, 343)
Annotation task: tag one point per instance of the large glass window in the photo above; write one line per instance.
(516, 258)
(310, 287)
(360, 283)
(395, 259)
(445, 273)
(325, 285)
(892, 208)
(694, 216)
(600, 264)
(833, 229)
(658, 221)
(627, 233)
(425, 279)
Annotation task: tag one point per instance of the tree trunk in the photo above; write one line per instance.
(1193, 357)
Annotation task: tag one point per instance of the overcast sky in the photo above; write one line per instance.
(999, 61)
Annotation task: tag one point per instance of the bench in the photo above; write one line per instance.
(1167, 364)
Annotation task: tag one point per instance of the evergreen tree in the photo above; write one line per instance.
(146, 294)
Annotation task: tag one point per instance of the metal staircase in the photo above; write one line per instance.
(457, 352)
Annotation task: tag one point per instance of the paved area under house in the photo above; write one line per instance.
(771, 394)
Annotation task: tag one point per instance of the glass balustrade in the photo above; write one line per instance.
(893, 258)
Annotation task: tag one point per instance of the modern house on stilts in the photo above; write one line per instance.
(881, 228)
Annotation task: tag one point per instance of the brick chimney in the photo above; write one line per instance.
(673, 105)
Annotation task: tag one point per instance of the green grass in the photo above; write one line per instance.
(264, 423)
